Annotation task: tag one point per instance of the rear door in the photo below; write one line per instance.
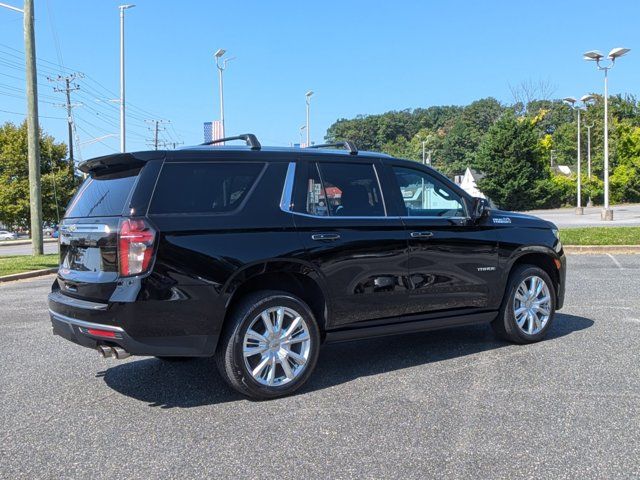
(453, 262)
(89, 231)
(352, 237)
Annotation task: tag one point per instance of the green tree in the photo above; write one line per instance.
(57, 176)
(461, 143)
(510, 156)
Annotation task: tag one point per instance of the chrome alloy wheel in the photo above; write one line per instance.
(276, 346)
(532, 305)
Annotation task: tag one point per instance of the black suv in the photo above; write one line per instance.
(258, 255)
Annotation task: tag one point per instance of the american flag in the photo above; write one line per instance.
(208, 131)
(212, 130)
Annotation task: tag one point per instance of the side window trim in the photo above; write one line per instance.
(435, 181)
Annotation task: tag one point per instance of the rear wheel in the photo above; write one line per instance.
(269, 346)
(528, 308)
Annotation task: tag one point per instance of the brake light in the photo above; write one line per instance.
(135, 246)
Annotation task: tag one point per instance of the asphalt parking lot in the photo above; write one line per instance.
(448, 404)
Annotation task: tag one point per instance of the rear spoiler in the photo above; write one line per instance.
(119, 161)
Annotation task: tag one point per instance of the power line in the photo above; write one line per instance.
(24, 115)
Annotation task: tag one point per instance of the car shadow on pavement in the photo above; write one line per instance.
(196, 382)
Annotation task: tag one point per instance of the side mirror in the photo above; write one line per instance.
(479, 208)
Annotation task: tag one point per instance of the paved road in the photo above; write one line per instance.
(49, 247)
(450, 404)
(623, 216)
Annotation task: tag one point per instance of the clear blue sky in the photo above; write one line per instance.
(359, 57)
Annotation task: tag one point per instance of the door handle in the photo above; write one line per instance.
(421, 234)
(325, 236)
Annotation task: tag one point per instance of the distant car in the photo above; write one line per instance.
(4, 235)
(48, 231)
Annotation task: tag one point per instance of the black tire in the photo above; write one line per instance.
(229, 354)
(505, 325)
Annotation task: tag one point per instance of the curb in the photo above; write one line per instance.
(8, 243)
(601, 249)
(31, 274)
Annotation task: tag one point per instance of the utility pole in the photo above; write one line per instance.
(33, 130)
(68, 87)
(155, 142)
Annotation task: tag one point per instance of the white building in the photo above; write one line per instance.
(468, 182)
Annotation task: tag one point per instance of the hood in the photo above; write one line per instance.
(503, 217)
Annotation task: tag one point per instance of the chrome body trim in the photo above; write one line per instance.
(85, 228)
(287, 191)
(84, 324)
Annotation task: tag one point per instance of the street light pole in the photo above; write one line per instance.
(308, 102)
(572, 101)
(302, 129)
(589, 127)
(221, 65)
(122, 104)
(594, 55)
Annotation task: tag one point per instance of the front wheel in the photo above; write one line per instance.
(269, 346)
(528, 308)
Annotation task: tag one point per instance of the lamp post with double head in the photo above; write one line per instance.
(573, 103)
(596, 56)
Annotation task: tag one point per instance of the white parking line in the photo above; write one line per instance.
(615, 261)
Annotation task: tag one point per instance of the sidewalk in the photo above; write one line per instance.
(627, 215)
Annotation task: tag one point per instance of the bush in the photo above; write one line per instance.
(555, 191)
(624, 184)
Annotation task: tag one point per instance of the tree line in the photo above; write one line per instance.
(58, 178)
(516, 146)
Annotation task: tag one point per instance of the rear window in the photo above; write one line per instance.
(103, 196)
(203, 187)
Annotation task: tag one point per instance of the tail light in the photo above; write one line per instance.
(135, 246)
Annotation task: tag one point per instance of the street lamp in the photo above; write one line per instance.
(302, 129)
(572, 102)
(222, 65)
(122, 105)
(595, 56)
(308, 102)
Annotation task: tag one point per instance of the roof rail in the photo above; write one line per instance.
(250, 138)
(347, 144)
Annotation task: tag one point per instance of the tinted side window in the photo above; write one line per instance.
(316, 197)
(425, 196)
(198, 187)
(103, 195)
(351, 189)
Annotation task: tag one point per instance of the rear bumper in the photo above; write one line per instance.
(74, 320)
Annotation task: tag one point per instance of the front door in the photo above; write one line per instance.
(453, 262)
(352, 238)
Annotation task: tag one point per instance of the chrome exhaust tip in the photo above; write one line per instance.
(105, 351)
(120, 353)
